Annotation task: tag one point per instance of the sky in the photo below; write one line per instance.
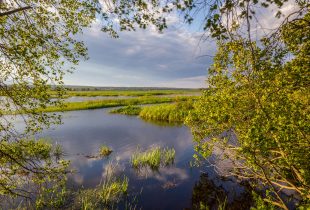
(146, 58)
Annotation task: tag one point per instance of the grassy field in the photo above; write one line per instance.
(175, 112)
(131, 92)
(70, 106)
(127, 110)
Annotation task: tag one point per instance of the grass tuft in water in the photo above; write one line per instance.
(127, 110)
(106, 195)
(105, 151)
(153, 158)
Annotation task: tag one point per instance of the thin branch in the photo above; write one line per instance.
(14, 11)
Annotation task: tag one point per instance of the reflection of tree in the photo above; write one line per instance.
(207, 195)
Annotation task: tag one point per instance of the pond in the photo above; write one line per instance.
(83, 132)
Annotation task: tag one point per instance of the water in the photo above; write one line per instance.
(83, 132)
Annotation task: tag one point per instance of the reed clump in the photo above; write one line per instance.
(153, 158)
(105, 151)
(176, 112)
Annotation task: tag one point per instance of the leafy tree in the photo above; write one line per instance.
(38, 46)
(256, 111)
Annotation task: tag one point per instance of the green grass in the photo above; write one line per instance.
(105, 151)
(153, 158)
(127, 110)
(96, 104)
(176, 112)
(130, 92)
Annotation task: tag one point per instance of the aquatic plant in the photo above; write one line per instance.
(153, 158)
(105, 150)
(127, 110)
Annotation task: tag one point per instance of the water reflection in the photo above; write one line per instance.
(83, 132)
(212, 195)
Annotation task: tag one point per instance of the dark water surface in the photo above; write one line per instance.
(174, 187)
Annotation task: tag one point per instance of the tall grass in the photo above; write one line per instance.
(176, 112)
(70, 106)
(127, 110)
(153, 158)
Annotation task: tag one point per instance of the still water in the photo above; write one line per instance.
(174, 187)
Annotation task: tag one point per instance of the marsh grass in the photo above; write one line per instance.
(105, 151)
(153, 158)
(176, 112)
(127, 110)
(96, 104)
(94, 93)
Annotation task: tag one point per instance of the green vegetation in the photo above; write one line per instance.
(258, 90)
(256, 111)
(132, 92)
(176, 112)
(105, 151)
(105, 196)
(173, 113)
(70, 106)
(128, 110)
(19, 172)
(153, 158)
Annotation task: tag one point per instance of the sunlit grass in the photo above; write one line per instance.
(70, 106)
(105, 151)
(127, 110)
(176, 112)
(153, 158)
(130, 92)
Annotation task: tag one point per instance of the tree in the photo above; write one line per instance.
(256, 111)
(38, 46)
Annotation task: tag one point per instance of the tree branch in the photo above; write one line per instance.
(14, 11)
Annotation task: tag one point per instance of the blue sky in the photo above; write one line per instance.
(145, 58)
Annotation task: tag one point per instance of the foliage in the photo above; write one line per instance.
(256, 110)
(33, 170)
(153, 158)
(38, 46)
(105, 151)
(106, 195)
(128, 110)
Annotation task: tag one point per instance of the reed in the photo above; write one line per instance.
(105, 151)
(153, 158)
(96, 104)
(176, 112)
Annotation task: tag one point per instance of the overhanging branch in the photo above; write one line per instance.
(14, 11)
